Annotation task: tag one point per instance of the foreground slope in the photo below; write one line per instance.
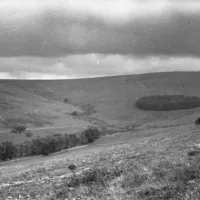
(157, 160)
(153, 163)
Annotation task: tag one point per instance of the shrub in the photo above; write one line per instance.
(7, 150)
(18, 129)
(167, 102)
(43, 146)
(197, 122)
(92, 134)
(66, 100)
(28, 134)
(72, 168)
(74, 113)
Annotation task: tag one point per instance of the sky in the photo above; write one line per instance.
(66, 39)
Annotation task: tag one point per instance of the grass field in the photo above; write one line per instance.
(149, 163)
(156, 156)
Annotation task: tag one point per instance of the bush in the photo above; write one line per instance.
(167, 102)
(43, 146)
(92, 134)
(197, 122)
(74, 113)
(66, 100)
(28, 134)
(7, 150)
(18, 129)
(72, 167)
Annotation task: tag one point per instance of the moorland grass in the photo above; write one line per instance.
(122, 172)
(172, 181)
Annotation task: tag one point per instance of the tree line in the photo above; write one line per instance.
(47, 145)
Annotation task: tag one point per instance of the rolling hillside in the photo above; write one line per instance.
(105, 102)
(157, 160)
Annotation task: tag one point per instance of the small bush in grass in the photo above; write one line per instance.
(66, 100)
(74, 113)
(28, 134)
(72, 168)
(18, 129)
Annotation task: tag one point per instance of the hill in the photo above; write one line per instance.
(159, 159)
(107, 102)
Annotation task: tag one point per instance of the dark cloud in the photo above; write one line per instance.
(56, 32)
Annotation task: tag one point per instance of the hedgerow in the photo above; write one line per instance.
(47, 145)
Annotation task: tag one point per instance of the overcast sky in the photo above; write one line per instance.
(47, 39)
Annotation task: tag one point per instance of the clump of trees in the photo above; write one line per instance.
(48, 144)
(91, 134)
(167, 102)
(18, 129)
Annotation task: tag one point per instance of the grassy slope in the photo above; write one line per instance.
(108, 101)
(113, 98)
(148, 161)
(27, 103)
(154, 158)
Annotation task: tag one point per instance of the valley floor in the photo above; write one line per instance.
(154, 163)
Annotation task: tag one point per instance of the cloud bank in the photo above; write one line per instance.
(76, 38)
(58, 28)
(90, 65)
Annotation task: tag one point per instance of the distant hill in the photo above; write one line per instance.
(105, 102)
